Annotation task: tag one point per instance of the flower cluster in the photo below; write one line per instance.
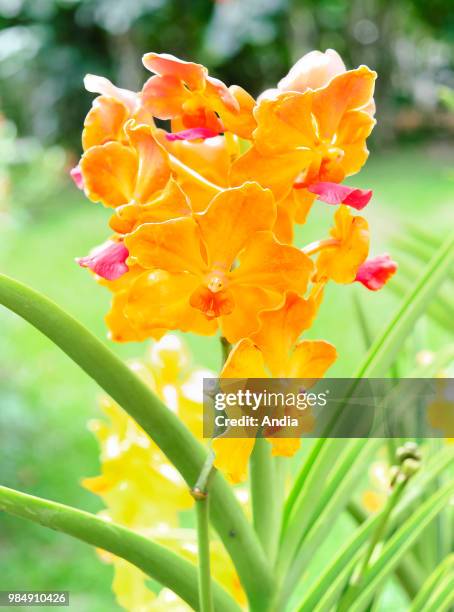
(204, 212)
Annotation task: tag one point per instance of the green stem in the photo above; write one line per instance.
(377, 535)
(202, 509)
(409, 572)
(381, 527)
(169, 433)
(203, 542)
(163, 565)
(263, 495)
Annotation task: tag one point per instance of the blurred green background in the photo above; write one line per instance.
(46, 47)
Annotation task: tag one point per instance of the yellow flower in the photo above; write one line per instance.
(142, 490)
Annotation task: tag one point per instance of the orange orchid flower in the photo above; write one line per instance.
(309, 137)
(210, 159)
(186, 94)
(273, 351)
(110, 112)
(117, 174)
(198, 258)
(342, 255)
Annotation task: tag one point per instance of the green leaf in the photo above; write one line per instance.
(446, 567)
(385, 347)
(323, 593)
(166, 429)
(396, 547)
(320, 463)
(443, 596)
(409, 572)
(301, 478)
(343, 481)
(158, 562)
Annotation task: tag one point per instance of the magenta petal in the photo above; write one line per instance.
(107, 260)
(333, 193)
(376, 272)
(192, 134)
(76, 175)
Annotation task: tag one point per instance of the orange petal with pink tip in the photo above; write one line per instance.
(268, 264)
(280, 328)
(233, 216)
(375, 273)
(244, 361)
(232, 457)
(104, 122)
(311, 359)
(341, 263)
(278, 172)
(159, 299)
(334, 193)
(346, 92)
(165, 64)
(173, 246)
(199, 133)
(109, 173)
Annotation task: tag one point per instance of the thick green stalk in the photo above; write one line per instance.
(203, 546)
(263, 496)
(202, 509)
(169, 433)
(155, 560)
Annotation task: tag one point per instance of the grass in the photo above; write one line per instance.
(45, 401)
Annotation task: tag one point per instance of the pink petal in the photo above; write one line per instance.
(333, 193)
(192, 134)
(76, 175)
(107, 260)
(376, 272)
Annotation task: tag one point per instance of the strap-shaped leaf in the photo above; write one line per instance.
(409, 572)
(396, 547)
(157, 561)
(340, 487)
(169, 433)
(324, 592)
(443, 597)
(321, 464)
(443, 569)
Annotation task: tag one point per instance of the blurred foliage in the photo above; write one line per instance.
(46, 47)
(32, 176)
